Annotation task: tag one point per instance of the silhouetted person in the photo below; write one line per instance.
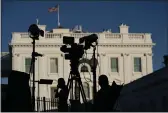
(62, 95)
(102, 97)
(115, 91)
(107, 96)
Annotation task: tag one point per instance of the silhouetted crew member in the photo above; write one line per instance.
(102, 103)
(115, 92)
(62, 95)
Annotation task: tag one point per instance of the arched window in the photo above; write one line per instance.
(84, 68)
(86, 90)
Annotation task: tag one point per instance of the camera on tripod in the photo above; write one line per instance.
(77, 50)
(35, 32)
(74, 53)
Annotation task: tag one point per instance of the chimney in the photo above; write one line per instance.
(42, 27)
(165, 60)
(80, 28)
(124, 28)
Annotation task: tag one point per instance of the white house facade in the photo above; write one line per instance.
(123, 57)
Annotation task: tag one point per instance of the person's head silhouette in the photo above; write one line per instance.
(61, 82)
(103, 81)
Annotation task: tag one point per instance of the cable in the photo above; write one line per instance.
(99, 59)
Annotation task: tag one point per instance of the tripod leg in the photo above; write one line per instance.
(77, 91)
(70, 86)
(83, 93)
(81, 88)
(69, 80)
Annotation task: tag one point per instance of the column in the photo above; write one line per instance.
(15, 62)
(126, 68)
(42, 68)
(61, 62)
(104, 64)
(121, 68)
(101, 59)
(41, 75)
(144, 66)
(149, 63)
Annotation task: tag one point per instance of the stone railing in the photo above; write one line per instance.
(79, 35)
(136, 36)
(24, 35)
(109, 36)
(113, 35)
(58, 35)
(47, 35)
(52, 35)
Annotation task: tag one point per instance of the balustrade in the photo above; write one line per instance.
(136, 36)
(24, 35)
(79, 35)
(52, 35)
(115, 36)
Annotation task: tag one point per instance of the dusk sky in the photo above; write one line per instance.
(142, 17)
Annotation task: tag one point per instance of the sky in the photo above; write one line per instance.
(141, 16)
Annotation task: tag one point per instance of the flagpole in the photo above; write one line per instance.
(58, 17)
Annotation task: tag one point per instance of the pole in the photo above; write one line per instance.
(33, 58)
(58, 17)
(38, 95)
(94, 75)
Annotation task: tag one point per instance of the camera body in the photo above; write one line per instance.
(88, 40)
(75, 52)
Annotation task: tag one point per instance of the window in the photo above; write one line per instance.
(53, 65)
(27, 65)
(84, 68)
(86, 89)
(114, 64)
(137, 64)
(53, 99)
(53, 92)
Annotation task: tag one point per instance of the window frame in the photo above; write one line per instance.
(87, 65)
(134, 64)
(84, 71)
(55, 100)
(51, 90)
(111, 64)
(49, 63)
(25, 64)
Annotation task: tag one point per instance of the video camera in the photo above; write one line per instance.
(76, 51)
(35, 32)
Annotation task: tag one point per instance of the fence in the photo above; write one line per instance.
(46, 104)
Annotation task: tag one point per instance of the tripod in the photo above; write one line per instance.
(75, 76)
(34, 54)
(34, 33)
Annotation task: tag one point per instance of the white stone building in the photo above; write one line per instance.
(123, 57)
